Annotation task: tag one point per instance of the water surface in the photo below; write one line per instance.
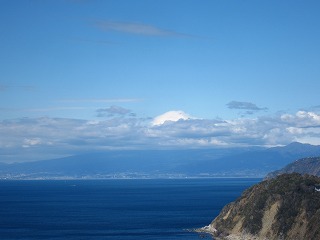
(113, 209)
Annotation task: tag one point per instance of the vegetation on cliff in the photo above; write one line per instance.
(285, 207)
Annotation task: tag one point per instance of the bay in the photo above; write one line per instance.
(113, 209)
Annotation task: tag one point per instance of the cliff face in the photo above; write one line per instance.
(309, 165)
(286, 207)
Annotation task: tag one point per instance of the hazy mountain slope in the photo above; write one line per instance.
(152, 161)
(286, 207)
(297, 148)
(310, 165)
(236, 162)
(258, 162)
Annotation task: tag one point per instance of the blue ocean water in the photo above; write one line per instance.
(113, 209)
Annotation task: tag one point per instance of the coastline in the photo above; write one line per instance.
(212, 232)
(209, 230)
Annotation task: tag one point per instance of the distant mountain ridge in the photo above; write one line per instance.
(310, 165)
(297, 148)
(235, 162)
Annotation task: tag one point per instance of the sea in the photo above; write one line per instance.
(117, 209)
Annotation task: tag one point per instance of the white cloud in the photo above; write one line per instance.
(29, 142)
(302, 119)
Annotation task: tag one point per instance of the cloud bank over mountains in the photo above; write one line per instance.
(38, 138)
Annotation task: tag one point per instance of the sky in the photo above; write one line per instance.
(95, 75)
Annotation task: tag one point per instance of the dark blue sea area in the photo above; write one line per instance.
(113, 209)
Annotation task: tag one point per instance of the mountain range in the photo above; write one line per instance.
(224, 162)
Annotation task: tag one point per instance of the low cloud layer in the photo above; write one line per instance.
(31, 139)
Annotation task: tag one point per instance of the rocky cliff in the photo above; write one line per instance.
(286, 207)
(310, 165)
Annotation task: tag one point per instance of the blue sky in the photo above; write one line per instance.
(80, 75)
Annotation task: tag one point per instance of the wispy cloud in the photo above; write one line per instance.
(315, 108)
(4, 87)
(114, 111)
(101, 100)
(108, 42)
(47, 109)
(54, 109)
(136, 28)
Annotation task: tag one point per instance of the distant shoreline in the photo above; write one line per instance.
(148, 178)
